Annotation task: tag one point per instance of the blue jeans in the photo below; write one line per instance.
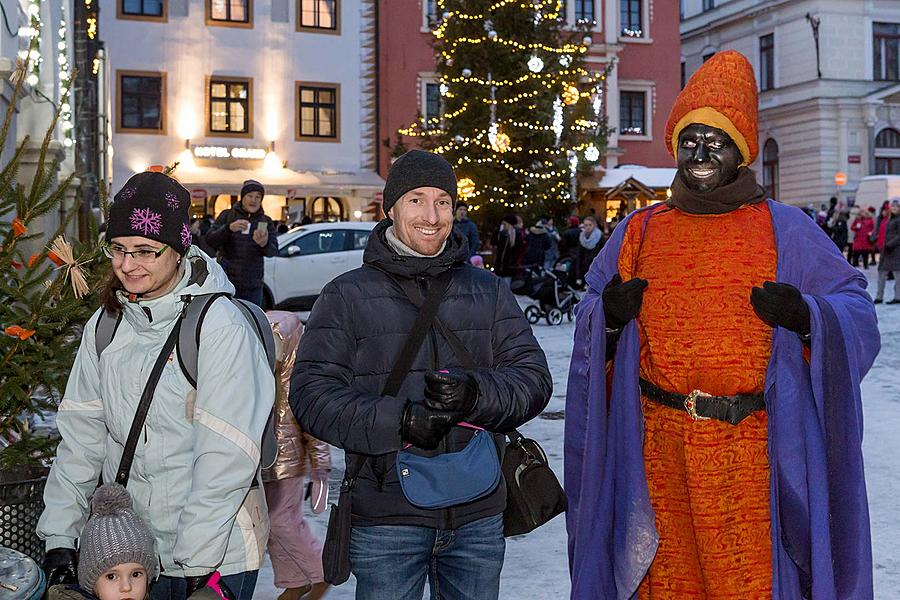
(173, 588)
(391, 562)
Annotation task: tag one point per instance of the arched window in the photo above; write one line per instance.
(887, 152)
(326, 208)
(770, 168)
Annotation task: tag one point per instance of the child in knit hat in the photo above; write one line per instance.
(117, 553)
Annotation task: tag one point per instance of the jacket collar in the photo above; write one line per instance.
(380, 255)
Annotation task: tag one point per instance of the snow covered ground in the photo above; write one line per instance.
(535, 564)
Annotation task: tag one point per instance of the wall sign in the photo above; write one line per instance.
(229, 152)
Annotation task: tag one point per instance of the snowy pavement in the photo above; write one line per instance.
(535, 565)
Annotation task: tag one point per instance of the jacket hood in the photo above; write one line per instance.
(380, 255)
(202, 275)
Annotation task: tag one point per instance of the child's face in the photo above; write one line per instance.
(122, 582)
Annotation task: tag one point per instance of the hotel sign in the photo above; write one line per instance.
(229, 152)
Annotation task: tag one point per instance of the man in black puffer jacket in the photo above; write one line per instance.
(352, 340)
(243, 235)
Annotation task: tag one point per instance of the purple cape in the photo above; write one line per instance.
(819, 513)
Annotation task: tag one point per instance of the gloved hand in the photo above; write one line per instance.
(781, 305)
(622, 301)
(424, 427)
(451, 391)
(195, 584)
(61, 566)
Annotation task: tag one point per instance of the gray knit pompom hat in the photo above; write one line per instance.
(114, 535)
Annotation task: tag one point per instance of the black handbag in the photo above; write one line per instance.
(336, 551)
(533, 493)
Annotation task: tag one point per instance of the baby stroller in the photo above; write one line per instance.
(555, 297)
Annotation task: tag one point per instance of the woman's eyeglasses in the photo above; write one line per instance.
(139, 256)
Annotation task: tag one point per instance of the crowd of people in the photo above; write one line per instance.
(871, 238)
(702, 374)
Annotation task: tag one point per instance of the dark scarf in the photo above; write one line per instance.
(742, 191)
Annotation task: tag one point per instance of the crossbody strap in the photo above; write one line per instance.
(459, 349)
(427, 314)
(143, 408)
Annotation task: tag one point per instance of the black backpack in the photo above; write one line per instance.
(187, 347)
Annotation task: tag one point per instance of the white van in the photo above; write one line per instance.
(874, 190)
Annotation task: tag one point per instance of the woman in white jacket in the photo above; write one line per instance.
(195, 476)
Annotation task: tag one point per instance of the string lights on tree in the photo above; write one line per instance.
(521, 112)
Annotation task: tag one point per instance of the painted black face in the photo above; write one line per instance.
(707, 157)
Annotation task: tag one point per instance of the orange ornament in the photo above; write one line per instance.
(33, 259)
(56, 259)
(18, 227)
(19, 332)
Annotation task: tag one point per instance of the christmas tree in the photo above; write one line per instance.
(520, 114)
(44, 295)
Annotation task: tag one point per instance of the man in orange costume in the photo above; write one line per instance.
(713, 424)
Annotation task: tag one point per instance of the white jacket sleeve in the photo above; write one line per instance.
(79, 458)
(235, 393)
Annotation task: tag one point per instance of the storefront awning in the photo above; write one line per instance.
(655, 178)
(281, 182)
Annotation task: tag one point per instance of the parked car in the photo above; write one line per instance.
(309, 257)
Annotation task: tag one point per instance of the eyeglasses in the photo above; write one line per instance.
(143, 257)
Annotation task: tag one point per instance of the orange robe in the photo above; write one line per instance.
(708, 480)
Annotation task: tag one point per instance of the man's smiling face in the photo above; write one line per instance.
(707, 157)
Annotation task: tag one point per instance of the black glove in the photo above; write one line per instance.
(622, 301)
(781, 305)
(195, 584)
(61, 566)
(424, 427)
(453, 392)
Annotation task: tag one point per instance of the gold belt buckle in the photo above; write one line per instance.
(690, 404)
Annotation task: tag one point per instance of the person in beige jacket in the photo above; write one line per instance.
(295, 550)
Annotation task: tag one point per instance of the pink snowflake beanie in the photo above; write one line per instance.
(154, 206)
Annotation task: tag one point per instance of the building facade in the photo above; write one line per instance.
(49, 24)
(829, 79)
(640, 36)
(281, 91)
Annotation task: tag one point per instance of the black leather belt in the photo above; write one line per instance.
(701, 406)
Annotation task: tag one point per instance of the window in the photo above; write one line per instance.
(706, 57)
(584, 11)
(767, 62)
(317, 111)
(230, 110)
(632, 116)
(320, 242)
(360, 239)
(318, 15)
(431, 14)
(631, 18)
(683, 74)
(327, 209)
(770, 168)
(142, 9)
(563, 10)
(234, 13)
(709, 4)
(886, 43)
(141, 102)
(887, 152)
(432, 102)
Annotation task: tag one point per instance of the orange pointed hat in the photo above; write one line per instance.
(722, 94)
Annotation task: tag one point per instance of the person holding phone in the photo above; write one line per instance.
(243, 235)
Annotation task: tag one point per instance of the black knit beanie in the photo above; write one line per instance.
(154, 206)
(416, 169)
(251, 185)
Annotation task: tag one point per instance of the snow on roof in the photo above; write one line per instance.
(653, 177)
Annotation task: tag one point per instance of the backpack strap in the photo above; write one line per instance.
(105, 330)
(188, 347)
